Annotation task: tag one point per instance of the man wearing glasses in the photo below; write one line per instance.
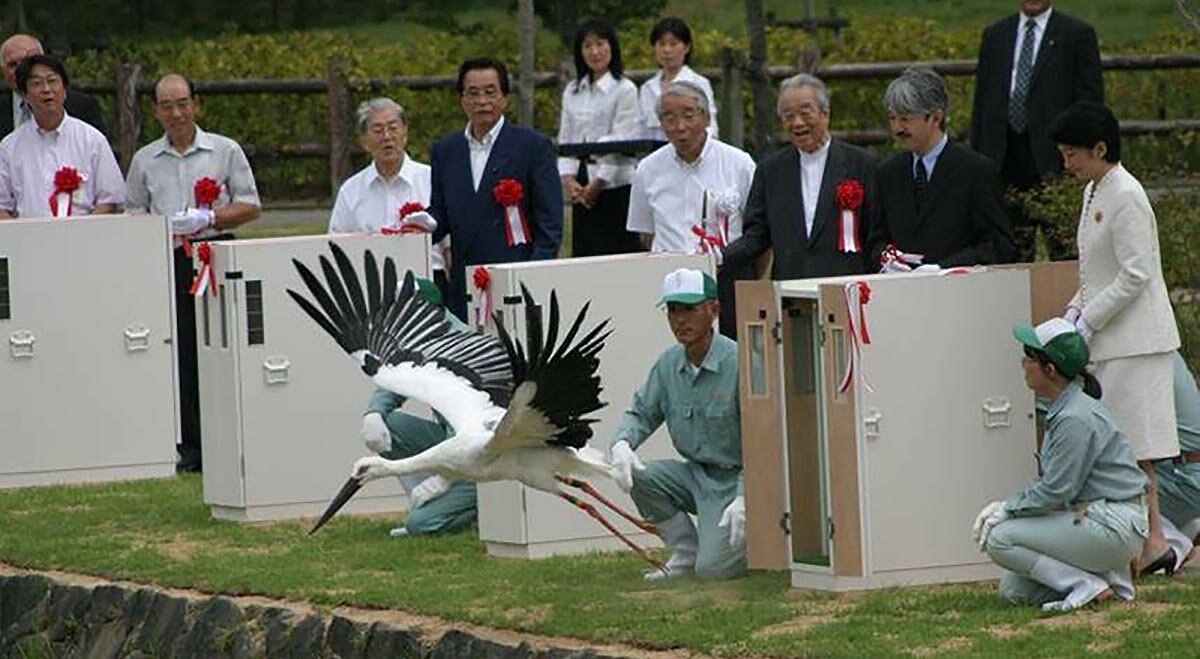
(32, 155)
(162, 180)
(688, 196)
(493, 161)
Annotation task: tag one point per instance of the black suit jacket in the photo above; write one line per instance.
(962, 220)
(78, 104)
(1066, 70)
(774, 215)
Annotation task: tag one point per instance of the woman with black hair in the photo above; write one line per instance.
(1067, 539)
(672, 41)
(600, 105)
(1122, 309)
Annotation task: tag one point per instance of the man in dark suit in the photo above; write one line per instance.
(793, 206)
(937, 198)
(12, 109)
(1032, 66)
(469, 166)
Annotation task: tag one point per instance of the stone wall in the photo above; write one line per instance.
(42, 618)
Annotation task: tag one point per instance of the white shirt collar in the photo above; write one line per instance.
(488, 139)
(704, 151)
(57, 130)
(1041, 20)
(405, 174)
(201, 142)
(603, 85)
(817, 155)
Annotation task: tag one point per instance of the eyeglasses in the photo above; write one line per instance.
(50, 82)
(487, 93)
(392, 127)
(685, 117)
(181, 104)
(806, 112)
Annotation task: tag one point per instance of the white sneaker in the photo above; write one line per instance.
(669, 572)
(399, 532)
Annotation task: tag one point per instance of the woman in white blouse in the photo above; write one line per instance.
(600, 105)
(1122, 307)
(672, 41)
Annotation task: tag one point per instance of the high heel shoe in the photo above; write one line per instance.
(1164, 563)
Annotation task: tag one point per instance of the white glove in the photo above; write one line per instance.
(991, 515)
(419, 221)
(185, 223)
(624, 461)
(928, 267)
(1084, 329)
(1071, 315)
(427, 490)
(375, 433)
(895, 265)
(734, 519)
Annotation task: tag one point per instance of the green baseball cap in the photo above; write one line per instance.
(1058, 340)
(429, 291)
(688, 287)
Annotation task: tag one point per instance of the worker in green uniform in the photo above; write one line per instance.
(1179, 478)
(1068, 538)
(435, 504)
(693, 388)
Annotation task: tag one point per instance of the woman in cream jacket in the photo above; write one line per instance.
(1122, 307)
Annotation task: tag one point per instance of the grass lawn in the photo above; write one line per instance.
(160, 532)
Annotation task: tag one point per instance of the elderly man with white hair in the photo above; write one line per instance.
(392, 186)
(689, 195)
(825, 181)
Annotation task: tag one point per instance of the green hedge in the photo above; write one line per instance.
(284, 119)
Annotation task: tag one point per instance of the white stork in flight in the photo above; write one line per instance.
(517, 411)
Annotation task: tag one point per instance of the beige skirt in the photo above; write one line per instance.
(1140, 393)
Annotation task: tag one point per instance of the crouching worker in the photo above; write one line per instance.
(1179, 478)
(1069, 537)
(693, 388)
(435, 504)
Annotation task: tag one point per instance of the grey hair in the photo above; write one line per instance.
(367, 108)
(807, 80)
(685, 89)
(918, 90)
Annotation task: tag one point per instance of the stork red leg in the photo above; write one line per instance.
(591, 510)
(585, 486)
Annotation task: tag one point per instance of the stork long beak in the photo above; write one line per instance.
(348, 490)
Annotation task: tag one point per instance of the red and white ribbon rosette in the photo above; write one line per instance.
(709, 242)
(66, 181)
(857, 295)
(207, 191)
(893, 260)
(509, 193)
(850, 196)
(206, 279)
(481, 300)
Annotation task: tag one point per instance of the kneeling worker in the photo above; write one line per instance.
(693, 388)
(435, 504)
(1179, 478)
(1068, 538)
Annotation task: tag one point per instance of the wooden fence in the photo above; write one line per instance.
(730, 77)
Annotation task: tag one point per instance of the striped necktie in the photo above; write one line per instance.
(920, 182)
(1020, 92)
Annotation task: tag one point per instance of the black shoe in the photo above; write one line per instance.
(188, 465)
(1164, 563)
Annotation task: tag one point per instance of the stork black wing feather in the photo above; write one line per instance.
(395, 326)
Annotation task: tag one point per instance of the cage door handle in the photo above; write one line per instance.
(137, 338)
(275, 369)
(20, 344)
(871, 422)
(997, 412)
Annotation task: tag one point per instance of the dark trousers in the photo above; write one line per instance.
(727, 323)
(185, 346)
(600, 230)
(1020, 175)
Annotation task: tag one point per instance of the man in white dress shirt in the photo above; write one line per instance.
(162, 180)
(694, 185)
(373, 198)
(31, 155)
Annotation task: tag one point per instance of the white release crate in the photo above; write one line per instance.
(281, 404)
(87, 379)
(878, 485)
(517, 521)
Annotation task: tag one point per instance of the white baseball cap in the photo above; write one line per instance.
(688, 287)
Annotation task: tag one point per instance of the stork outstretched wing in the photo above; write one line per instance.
(557, 383)
(404, 343)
